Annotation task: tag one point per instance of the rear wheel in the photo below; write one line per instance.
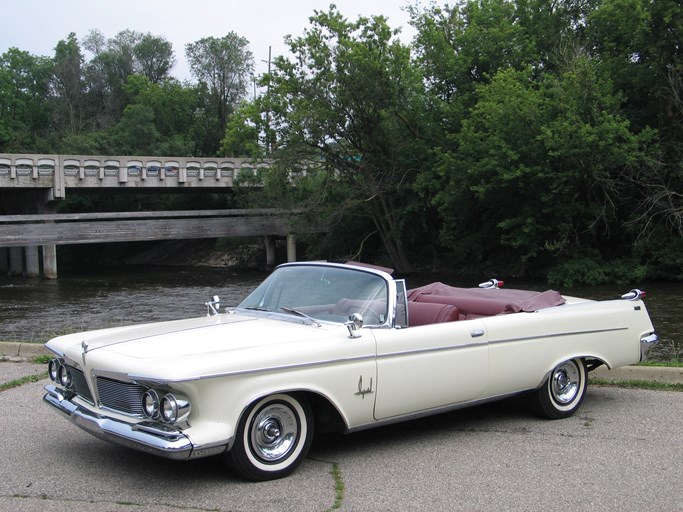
(563, 391)
(272, 438)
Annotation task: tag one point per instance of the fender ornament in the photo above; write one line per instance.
(363, 391)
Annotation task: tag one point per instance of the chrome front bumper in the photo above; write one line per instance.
(646, 343)
(146, 437)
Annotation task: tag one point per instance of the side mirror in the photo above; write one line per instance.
(355, 322)
(213, 306)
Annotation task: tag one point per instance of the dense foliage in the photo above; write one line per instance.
(516, 137)
(123, 100)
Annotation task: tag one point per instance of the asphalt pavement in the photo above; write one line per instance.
(621, 451)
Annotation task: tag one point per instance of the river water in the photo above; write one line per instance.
(35, 310)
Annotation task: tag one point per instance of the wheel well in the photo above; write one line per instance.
(325, 415)
(593, 363)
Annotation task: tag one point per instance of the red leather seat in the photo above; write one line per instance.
(426, 313)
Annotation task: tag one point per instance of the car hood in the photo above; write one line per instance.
(192, 348)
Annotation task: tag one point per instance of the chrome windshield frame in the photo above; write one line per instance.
(391, 289)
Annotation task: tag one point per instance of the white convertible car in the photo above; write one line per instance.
(339, 347)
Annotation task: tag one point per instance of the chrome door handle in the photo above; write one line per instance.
(476, 333)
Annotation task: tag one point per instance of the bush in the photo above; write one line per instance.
(593, 271)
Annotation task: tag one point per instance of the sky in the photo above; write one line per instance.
(36, 26)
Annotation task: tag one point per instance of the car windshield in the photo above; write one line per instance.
(322, 293)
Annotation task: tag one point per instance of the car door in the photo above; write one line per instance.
(427, 367)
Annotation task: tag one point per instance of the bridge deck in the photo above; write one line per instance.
(86, 228)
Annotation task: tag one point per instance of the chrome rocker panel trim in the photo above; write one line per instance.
(155, 439)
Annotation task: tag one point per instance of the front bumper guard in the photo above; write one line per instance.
(151, 438)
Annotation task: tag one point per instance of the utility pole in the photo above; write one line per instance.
(269, 145)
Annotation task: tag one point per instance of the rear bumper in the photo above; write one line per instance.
(646, 343)
(147, 437)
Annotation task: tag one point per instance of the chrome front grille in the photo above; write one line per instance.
(120, 396)
(79, 384)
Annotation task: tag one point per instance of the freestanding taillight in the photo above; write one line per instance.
(634, 294)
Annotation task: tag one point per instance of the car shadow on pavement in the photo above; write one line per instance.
(506, 414)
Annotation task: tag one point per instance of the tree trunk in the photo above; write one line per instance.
(386, 224)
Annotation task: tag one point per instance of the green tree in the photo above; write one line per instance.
(154, 58)
(24, 93)
(136, 132)
(116, 59)
(157, 119)
(245, 134)
(68, 87)
(542, 167)
(223, 67)
(349, 104)
(638, 43)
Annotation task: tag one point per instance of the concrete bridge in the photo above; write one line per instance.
(32, 185)
(58, 173)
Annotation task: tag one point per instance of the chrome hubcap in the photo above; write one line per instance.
(274, 432)
(565, 382)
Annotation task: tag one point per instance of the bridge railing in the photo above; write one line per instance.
(78, 171)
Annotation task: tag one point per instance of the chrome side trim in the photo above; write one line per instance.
(558, 335)
(446, 348)
(157, 381)
(165, 442)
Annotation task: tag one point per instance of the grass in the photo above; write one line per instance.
(671, 364)
(21, 381)
(637, 384)
(338, 487)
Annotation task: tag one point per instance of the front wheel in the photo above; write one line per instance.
(561, 394)
(273, 437)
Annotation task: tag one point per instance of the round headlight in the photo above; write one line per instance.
(64, 376)
(150, 403)
(53, 369)
(169, 408)
(174, 409)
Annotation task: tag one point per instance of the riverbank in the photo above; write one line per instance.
(225, 254)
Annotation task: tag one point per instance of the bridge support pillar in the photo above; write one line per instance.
(4, 260)
(32, 261)
(16, 261)
(49, 262)
(270, 251)
(291, 248)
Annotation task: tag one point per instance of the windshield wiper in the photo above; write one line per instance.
(255, 308)
(300, 313)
